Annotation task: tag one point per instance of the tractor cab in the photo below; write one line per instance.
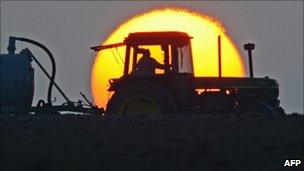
(170, 49)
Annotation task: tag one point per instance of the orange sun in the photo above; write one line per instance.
(203, 29)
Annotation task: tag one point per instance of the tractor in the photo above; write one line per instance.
(175, 89)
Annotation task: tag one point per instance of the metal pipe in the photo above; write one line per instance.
(98, 48)
(127, 59)
(11, 45)
(219, 56)
(249, 47)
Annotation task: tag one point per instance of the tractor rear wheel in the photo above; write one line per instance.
(141, 99)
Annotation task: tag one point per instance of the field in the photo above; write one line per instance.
(205, 141)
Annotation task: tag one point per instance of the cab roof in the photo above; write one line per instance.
(151, 38)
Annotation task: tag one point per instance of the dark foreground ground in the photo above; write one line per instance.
(74, 142)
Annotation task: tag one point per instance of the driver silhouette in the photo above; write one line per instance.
(146, 65)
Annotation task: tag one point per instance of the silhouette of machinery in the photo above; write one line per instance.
(176, 89)
(17, 84)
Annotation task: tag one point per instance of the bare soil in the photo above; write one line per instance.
(205, 141)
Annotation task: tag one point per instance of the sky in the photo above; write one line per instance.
(70, 28)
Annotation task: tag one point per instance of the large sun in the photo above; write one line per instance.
(204, 30)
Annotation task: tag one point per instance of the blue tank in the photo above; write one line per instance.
(17, 82)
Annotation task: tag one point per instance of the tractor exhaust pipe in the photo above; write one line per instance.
(249, 47)
(219, 56)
